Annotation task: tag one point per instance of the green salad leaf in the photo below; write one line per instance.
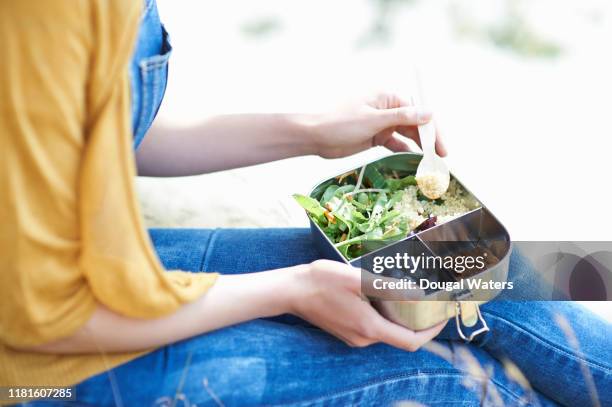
(363, 209)
(351, 217)
(311, 206)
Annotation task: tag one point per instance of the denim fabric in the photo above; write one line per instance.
(287, 361)
(148, 70)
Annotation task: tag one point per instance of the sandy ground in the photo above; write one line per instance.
(530, 136)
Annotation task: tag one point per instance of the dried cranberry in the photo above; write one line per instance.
(426, 224)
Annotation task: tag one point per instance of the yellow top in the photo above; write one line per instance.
(70, 229)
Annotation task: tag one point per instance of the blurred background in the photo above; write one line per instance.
(521, 89)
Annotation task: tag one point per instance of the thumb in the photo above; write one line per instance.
(403, 116)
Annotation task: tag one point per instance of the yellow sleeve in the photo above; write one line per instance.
(70, 228)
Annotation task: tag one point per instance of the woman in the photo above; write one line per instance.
(85, 302)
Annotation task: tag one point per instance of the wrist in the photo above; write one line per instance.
(286, 289)
(293, 287)
(306, 128)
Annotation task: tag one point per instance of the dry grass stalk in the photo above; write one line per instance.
(477, 372)
(463, 359)
(211, 393)
(409, 404)
(514, 373)
(570, 335)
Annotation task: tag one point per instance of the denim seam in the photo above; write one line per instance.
(147, 97)
(154, 62)
(395, 379)
(209, 244)
(156, 87)
(144, 102)
(555, 347)
(146, 11)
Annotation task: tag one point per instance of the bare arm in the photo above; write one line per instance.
(326, 293)
(231, 141)
(224, 142)
(223, 304)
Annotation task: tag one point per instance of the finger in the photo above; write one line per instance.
(348, 339)
(440, 147)
(402, 116)
(404, 338)
(388, 100)
(358, 341)
(396, 144)
(412, 133)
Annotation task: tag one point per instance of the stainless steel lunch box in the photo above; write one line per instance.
(471, 229)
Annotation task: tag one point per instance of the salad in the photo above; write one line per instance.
(365, 209)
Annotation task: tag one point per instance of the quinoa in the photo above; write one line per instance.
(454, 202)
(432, 185)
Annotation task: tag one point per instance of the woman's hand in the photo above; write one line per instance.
(372, 123)
(329, 296)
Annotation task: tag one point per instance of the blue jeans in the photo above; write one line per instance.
(148, 70)
(287, 361)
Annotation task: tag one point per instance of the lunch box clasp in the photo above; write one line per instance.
(470, 315)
